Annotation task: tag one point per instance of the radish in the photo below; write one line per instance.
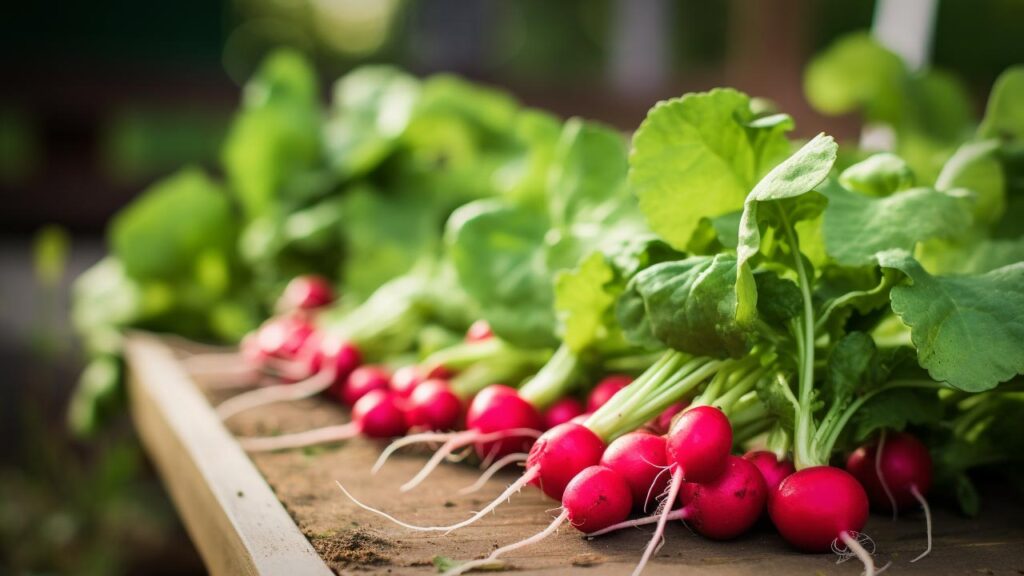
(815, 507)
(331, 364)
(360, 381)
(663, 422)
(376, 415)
(720, 510)
(773, 470)
(479, 331)
(605, 389)
(896, 472)
(433, 405)
(595, 498)
(640, 458)
(561, 412)
(305, 293)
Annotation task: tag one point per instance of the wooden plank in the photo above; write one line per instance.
(230, 512)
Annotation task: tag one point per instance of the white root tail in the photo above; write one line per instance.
(311, 386)
(861, 546)
(663, 513)
(300, 439)
(421, 438)
(927, 518)
(493, 556)
(677, 514)
(492, 470)
(516, 486)
(881, 477)
(459, 440)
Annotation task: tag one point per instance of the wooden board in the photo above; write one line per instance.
(351, 540)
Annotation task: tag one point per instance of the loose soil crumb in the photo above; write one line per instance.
(588, 559)
(353, 548)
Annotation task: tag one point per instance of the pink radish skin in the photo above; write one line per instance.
(406, 379)
(729, 506)
(561, 412)
(378, 415)
(640, 458)
(306, 293)
(605, 389)
(815, 506)
(251, 351)
(283, 337)
(596, 498)
(498, 408)
(560, 454)
(699, 444)
(479, 331)
(360, 382)
(905, 464)
(773, 470)
(663, 423)
(433, 406)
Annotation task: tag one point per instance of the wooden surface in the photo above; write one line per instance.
(351, 540)
(232, 516)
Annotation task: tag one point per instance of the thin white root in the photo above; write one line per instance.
(512, 489)
(420, 438)
(311, 386)
(492, 470)
(458, 440)
(861, 546)
(677, 514)
(491, 455)
(927, 518)
(647, 499)
(663, 512)
(881, 477)
(493, 556)
(300, 439)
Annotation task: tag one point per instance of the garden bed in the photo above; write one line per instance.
(239, 527)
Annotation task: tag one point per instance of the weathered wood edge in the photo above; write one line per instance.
(231, 514)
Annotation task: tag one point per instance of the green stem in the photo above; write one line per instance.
(466, 354)
(554, 380)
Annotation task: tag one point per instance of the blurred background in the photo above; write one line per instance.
(98, 100)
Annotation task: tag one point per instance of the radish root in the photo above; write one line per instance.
(663, 512)
(311, 386)
(421, 438)
(493, 556)
(458, 440)
(881, 477)
(492, 470)
(299, 439)
(861, 546)
(927, 518)
(677, 514)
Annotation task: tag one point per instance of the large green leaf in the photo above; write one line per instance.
(856, 227)
(856, 72)
(967, 329)
(1004, 116)
(975, 167)
(878, 175)
(782, 188)
(164, 233)
(697, 157)
(582, 302)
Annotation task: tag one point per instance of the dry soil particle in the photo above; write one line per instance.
(352, 548)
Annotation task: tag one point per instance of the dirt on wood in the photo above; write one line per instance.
(353, 541)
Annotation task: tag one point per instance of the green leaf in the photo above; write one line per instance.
(276, 134)
(690, 306)
(975, 167)
(849, 367)
(793, 178)
(1004, 115)
(498, 254)
(967, 329)
(975, 254)
(581, 302)
(896, 409)
(697, 157)
(856, 72)
(878, 175)
(856, 227)
(164, 232)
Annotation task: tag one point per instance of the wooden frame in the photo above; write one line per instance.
(231, 514)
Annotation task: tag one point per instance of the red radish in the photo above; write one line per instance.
(560, 454)
(640, 458)
(896, 472)
(406, 379)
(699, 444)
(433, 405)
(561, 412)
(605, 389)
(773, 470)
(903, 463)
(720, 510)
(305, 293)
(332, 362)
(250, 349)
(817, 506)
(663, 423)
(377, 415)
(283, 337)
(361, 381)
(479, 331)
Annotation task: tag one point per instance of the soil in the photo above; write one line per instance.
(353, 541)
